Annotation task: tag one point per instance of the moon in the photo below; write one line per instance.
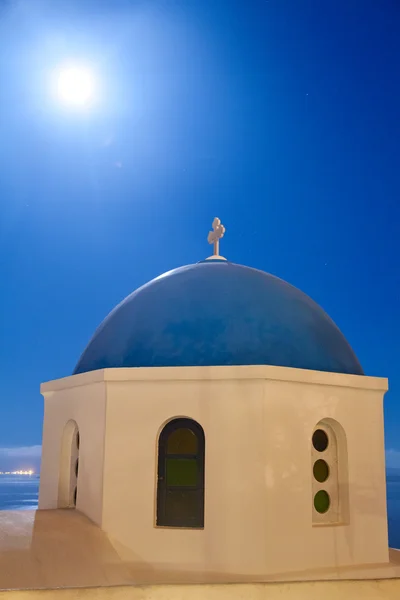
(75, 86)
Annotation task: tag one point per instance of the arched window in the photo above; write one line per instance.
(69, 466)
(180, 481)
(329, 473)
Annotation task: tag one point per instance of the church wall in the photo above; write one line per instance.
(85, 404)
(258, 424)
(258, 470)
(295, 410)
(229, 413)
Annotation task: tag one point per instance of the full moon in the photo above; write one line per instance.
(75, 86)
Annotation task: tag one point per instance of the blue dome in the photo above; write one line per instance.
(218, 313)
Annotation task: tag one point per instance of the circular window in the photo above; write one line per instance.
(320, 440)
(322, 501)
(321, 470)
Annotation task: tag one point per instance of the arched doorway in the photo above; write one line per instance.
(69, 466)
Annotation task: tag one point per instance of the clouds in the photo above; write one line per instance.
(21, 452)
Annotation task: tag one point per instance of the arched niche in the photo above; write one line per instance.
(69, 466)
(330, 482)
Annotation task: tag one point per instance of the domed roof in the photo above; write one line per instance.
(218, 313)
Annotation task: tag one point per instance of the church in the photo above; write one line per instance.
(217, 429)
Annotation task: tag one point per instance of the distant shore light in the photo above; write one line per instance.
(29, 472)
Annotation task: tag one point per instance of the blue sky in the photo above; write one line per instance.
(280, 116)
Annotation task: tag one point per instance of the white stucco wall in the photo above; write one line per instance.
(295, 408)
(65, 400)
(258, 423)
(234, 473)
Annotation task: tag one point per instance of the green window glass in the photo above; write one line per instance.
(322, 501)
(321, 470)
(182, 441)
(181, 472)
(181, 505)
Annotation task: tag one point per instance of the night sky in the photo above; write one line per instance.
(281, 117)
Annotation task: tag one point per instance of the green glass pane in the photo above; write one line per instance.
(181, 471)
(182, 441)
(322, 501)
(321, 470)
(320, 440)
(184, 508)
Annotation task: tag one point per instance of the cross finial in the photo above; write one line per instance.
(216, 234)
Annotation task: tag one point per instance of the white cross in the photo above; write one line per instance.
(215, 235)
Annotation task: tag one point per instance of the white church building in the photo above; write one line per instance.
(219, 428)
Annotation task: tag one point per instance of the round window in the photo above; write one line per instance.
(321, 470)
(322, 501)
(320, 440)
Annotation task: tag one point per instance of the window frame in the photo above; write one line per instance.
(162, 519)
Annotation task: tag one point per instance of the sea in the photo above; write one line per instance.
(20, 492)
